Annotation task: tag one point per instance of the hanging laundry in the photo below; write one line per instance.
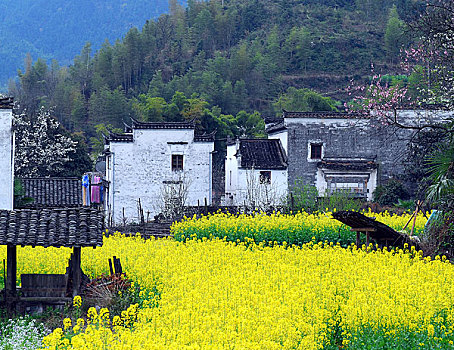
(85, 192)
(95, 190)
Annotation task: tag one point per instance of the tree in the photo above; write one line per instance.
(44, 148)
(303, 100)
(394, 35)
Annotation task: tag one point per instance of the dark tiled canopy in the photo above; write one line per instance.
(6, 102)
(262, 154)
(77, 227)
(348, 164)
(53, 192)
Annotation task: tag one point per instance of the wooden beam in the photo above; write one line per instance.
(364, 229)
(11, 274)
(77, 270)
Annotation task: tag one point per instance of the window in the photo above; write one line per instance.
(177, 162)
(265, 177)
(316, 151)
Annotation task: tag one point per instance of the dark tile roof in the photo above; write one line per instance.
(79, 227)
(262, 154)
(324, 115)
(347, 164)
(128, 136)
(53, 192)
(6, 102)
(276, 127)
(162, 125)
(119, 137)
(205, 137)
(272, 120)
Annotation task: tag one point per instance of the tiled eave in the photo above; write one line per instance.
(6, 103)
(346, 164)
(76, 227)
(161, 125)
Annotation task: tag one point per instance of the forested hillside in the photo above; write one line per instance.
(57, 29)
(219, 61)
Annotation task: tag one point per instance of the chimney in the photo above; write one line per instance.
(6, 153)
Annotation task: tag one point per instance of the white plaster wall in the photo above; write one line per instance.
(278, 187)
(139, 170)
(281, 135)
(231, 174)
(6, 159)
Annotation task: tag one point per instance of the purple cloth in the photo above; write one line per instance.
(95, 190)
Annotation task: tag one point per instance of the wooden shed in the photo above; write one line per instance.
(71, 227)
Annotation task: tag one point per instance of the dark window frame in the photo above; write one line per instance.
(316, 151)
(177, 162)
(265, 177)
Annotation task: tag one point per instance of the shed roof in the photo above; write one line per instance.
(324, 115)
(53, 192)
(262, 154)
(6, 102)
(76, 227)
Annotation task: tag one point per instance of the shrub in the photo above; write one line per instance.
(390, 193)
(303, 197)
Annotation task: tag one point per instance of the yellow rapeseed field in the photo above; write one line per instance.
(217, 294)
(294, 229)
(220, 295)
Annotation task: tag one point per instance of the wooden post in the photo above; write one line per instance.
(77, 271)
(11, 274)
(366, 231)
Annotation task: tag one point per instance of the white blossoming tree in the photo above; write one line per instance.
(42, 146)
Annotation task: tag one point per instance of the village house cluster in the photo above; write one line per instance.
(155, 168)
(163, 162)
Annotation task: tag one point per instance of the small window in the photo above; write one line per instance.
(265, 177)
(177, 162)
(316, 151)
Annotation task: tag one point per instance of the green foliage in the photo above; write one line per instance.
(340, 201)
(394, 34)
(441, 170)
(239, 57)
(303, 100)
(102, 130)
(371, 336)
(390, 193)
(303, 197)
(19, 195)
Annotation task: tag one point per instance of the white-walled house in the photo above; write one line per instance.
(255, 173)
(153, 161)
(7, 153)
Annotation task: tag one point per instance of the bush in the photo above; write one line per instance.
(390, 193)
(303, 197)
